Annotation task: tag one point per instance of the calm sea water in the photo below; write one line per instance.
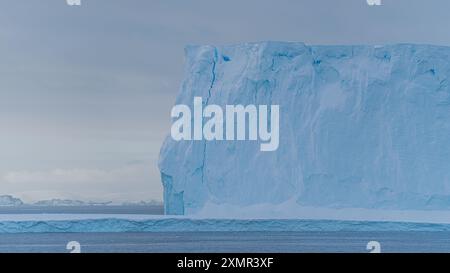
(150, 209)
(228, 242)
(239, 242)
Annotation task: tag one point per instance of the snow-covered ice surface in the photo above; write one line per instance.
(365, 129)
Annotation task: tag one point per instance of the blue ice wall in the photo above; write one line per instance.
(360, 126)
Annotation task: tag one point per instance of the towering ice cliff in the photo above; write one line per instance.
(360, 127)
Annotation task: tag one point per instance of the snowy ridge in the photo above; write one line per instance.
(8, 200)
(360, 127)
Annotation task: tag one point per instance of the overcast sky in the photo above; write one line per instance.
(86, 92)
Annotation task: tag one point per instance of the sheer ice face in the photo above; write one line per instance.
(360, 127)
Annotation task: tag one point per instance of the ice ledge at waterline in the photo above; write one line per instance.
(360, 127)
(48, 223)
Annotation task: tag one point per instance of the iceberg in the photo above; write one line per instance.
(85, 223)
(360, 127)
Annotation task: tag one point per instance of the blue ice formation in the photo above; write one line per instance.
(200, 225)
(360, 127)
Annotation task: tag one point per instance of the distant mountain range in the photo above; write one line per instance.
(9, 201)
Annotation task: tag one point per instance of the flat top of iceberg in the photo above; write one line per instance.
(222, 212)
(293, 44)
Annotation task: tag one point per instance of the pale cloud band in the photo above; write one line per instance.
(123, 184)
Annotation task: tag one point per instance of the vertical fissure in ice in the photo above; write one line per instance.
(213, 80)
